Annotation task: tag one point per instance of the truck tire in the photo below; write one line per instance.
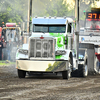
(21, 73)
(65, 74)
(97, 67)
(74, 73)
(82, 70)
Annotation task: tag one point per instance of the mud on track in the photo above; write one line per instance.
(47, 87)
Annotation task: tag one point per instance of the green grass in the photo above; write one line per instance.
(6, 63)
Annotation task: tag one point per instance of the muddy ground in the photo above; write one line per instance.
(47, 87)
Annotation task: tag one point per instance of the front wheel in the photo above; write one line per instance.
(21, 73)
(66, 74)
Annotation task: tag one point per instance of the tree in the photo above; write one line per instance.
(57, 8)
(52, 8)
(12, 11)
(84, 5)
(39, 7)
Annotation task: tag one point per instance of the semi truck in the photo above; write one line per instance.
(52, 48)
(90, 37)
(10, 31)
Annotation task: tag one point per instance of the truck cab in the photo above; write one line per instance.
(11, 32)
(49, 48)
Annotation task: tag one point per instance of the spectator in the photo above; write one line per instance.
(3, 24)
(94, 26)
(1, 46)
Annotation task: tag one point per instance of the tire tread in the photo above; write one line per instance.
(21, 73)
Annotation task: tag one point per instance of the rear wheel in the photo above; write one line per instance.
(21, 73)
(82, 70)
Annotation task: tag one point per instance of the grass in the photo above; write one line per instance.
(6, 63)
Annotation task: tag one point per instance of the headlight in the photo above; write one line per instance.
(60, 52)
(23, 51)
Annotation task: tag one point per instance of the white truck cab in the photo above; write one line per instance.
(49, 48)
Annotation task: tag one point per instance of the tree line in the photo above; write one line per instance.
(16, 10)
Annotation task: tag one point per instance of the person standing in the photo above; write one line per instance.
(1, 46)
(94, 26)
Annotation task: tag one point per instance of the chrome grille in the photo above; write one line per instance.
(41, 48)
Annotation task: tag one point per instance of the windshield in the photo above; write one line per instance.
(13, 34)
(49, 28)
(81, 54)
(92, 25)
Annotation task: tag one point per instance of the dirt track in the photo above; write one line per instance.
(47, 87)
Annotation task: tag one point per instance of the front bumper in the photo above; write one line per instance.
(44, 66)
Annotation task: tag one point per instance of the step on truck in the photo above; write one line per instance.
(51, 49)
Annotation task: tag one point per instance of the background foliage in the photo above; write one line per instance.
(16, 10)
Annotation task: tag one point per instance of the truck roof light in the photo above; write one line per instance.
(64, 17)
(35, 16)
(49, 16)
(10, 24)
(55, 17)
